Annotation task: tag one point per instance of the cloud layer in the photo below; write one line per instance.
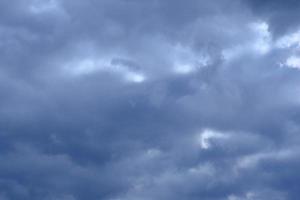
(144, 100)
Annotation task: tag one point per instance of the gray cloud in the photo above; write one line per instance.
(281, 15)
(127, 99)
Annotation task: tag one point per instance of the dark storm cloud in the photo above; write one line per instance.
(128, 99)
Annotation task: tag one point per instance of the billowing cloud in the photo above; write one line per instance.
(143, 100)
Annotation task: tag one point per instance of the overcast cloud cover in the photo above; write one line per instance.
(149, 99)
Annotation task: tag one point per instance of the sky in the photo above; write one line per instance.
(149, 99)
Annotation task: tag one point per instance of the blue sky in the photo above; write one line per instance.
(149, 100)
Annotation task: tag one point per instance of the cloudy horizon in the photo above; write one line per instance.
(149, 100)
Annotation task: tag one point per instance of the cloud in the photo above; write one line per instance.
(281, 15)
(128, 99)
